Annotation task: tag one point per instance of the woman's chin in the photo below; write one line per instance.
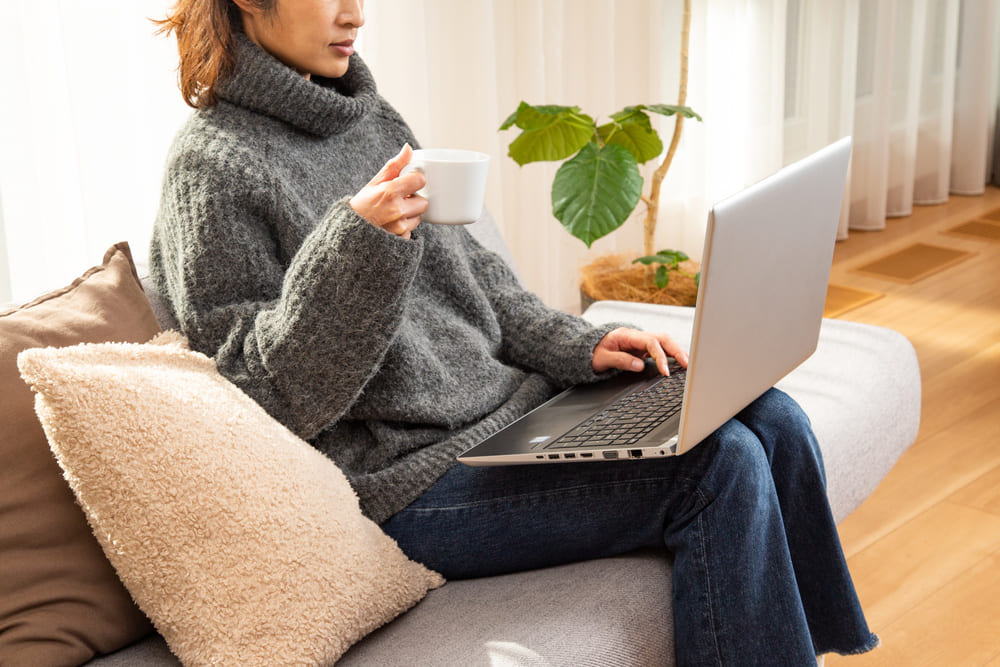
(329, 69)
(332, 68)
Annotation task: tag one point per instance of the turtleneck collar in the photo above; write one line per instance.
(322, 106)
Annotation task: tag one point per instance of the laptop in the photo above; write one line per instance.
(765, 269)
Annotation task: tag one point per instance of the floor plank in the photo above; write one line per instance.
(957, 625)
(896, 573)
(982, 494)
(966, 386)
(928, 473)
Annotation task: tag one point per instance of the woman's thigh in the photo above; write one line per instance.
(481, 521)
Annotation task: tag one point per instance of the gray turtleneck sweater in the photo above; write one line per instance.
(389, 355)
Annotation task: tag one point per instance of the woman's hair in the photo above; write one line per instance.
(205, 31)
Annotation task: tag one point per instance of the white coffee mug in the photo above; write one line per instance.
(456, 184)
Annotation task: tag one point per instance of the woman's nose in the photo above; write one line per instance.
(352, 13)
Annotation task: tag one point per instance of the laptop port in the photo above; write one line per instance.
(635, 453)
(553, 456)
(586, 455)
(610, 454)
(569, 456)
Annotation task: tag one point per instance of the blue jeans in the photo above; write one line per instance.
(759, 574)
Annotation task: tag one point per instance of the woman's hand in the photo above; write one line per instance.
(390, 201)
(626, 348)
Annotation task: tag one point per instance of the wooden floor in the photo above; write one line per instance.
(924, 549)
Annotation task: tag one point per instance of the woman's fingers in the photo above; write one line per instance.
(392, 169)
(403, 226)
(671, 347)
(409, 183)
(389, 200)
(625, 348)
(655, 350)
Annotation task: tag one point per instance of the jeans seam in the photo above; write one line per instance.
(709, 584)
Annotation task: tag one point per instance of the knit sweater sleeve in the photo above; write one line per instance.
(534, 336)
(301, 335)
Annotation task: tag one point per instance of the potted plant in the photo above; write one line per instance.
(598, 186)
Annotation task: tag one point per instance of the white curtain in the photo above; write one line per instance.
(91, 105)
(926, 92)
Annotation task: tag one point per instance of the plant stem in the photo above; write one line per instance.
(597, 137)
(653, 201)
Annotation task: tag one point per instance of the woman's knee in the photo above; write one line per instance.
(777, 416)
(785, 432)
(775, 406)
(738, 459)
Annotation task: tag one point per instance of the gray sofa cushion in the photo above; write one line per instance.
(614, 611)
(558, 616)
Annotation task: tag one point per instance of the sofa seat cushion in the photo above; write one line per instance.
(555, 616)
(612, 611)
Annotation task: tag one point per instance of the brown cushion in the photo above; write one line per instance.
(60, 600)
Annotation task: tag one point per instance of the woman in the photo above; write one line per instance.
(316, 289)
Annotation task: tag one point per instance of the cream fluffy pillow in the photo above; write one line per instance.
(242, 543)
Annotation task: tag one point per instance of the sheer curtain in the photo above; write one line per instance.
(925, 105)
(91, 106)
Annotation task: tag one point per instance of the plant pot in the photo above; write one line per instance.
(614, 277)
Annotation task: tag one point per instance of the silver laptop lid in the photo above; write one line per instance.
(767, 280)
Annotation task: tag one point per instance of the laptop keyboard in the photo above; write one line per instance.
(630, 418)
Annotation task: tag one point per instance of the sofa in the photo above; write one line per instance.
(861, 389)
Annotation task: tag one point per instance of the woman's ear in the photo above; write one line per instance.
(247, 6)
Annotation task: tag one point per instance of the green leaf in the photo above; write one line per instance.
(670, 110)
(512, 119)
(675, 256)
(529, 117)
(595, 191)
(538, 117)
(697, 279)
(550, 133)
(629, 114)
(662, 278)
(667, 257)
(635, 132)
